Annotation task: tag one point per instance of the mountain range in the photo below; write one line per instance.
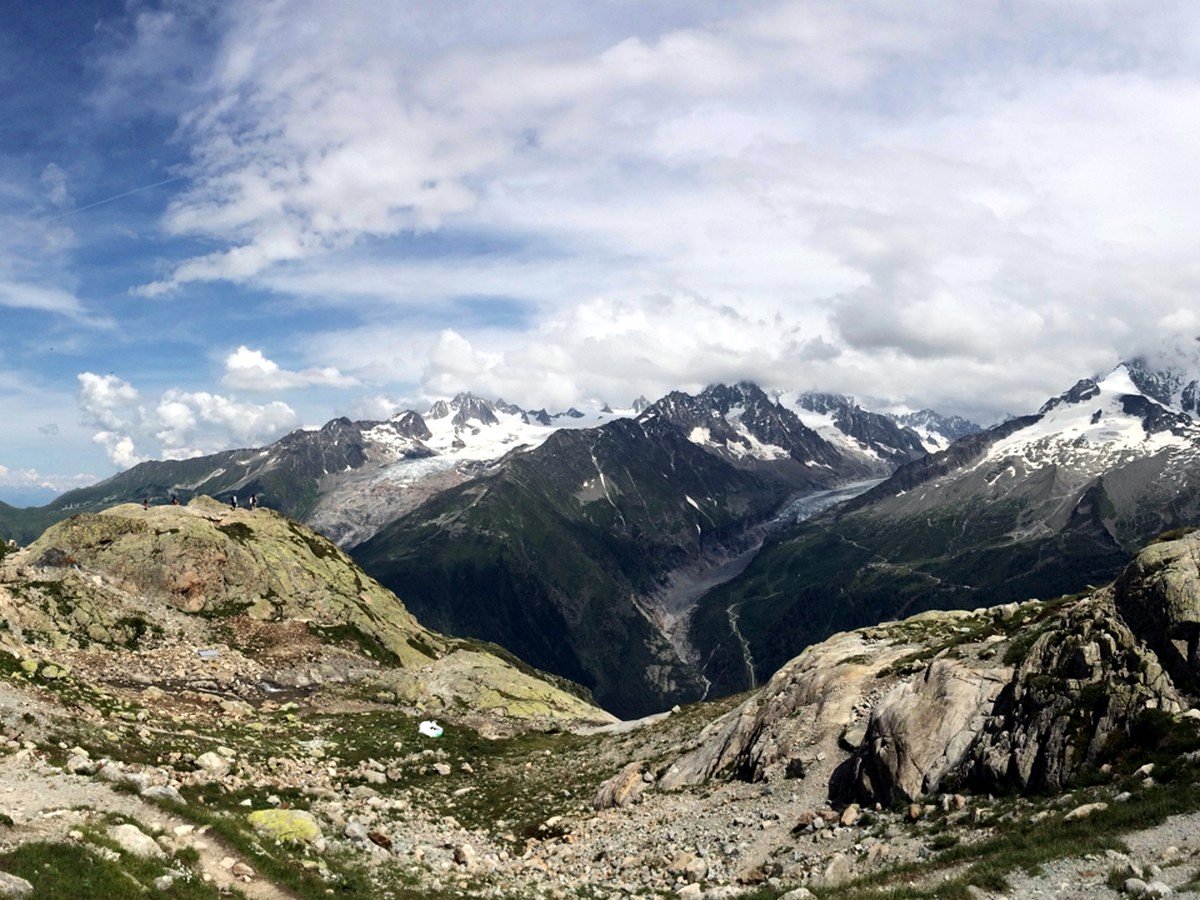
(687, 548)
(578, 540)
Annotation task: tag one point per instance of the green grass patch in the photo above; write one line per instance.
(348, 635)
(72, 871)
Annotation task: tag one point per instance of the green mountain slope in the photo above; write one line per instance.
(558, 555)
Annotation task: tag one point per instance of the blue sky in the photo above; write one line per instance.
(225, 220)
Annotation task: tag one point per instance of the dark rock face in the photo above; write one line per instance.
(1084, 389)
(468, 408)
(1083, 685)
(1156, 419)
(410, 425)
(735, 417)
(1159, 596)
(1169, 387)
(950, 427)
(879, 432)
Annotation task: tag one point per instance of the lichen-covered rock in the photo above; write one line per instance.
(288, 826)
(472, 681)
(206, 558)
(1158, 596)
(622, 789)
(1083, 684)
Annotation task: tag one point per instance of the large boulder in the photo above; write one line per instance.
(922, 728)
(1158, 595)
(133, 840)
(796, 726)
(1083, 684)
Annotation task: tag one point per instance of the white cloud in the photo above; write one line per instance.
(178, 424)
(970, 205)
(17, 295)
(250, 370)
(119, 448)
(32, 478)
(106, 400)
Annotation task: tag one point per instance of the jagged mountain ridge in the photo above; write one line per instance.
(350, 478)
(307, 466)
(933, 425)
(1038, 506)
(744, 426)
(878, 437)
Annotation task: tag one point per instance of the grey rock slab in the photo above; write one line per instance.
(13, 886)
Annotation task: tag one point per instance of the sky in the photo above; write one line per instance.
(220, 221)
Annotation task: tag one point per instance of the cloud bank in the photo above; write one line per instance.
(933, 198)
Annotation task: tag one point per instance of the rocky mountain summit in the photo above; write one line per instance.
(877, 437)
(934, 425)
(276, 607)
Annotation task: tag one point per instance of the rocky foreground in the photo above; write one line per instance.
(199, 701)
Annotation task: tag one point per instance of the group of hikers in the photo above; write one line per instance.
(233, 501)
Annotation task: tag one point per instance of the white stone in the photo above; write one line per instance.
(213, 763)
(133, 840)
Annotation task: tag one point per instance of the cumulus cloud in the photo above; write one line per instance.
(119, 448)
(250, 370)
(106, 400)
(177, 424)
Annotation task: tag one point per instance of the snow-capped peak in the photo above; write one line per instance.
(874, 437)
(1171, 376)
(1106, 418)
